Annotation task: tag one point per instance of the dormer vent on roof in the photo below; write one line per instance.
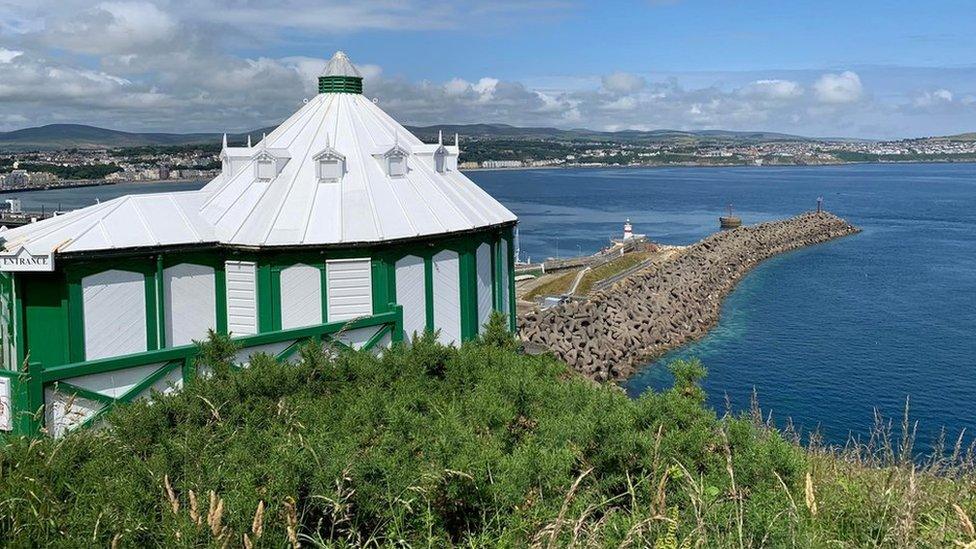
(396, 161)
(330, 164)
(268, 163)
(340, 76)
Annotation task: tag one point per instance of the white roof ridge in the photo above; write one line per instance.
(53, 227)
(396, 195)
(291, 184)
(142, 219)
(444, 193)
(462, 192)
(427, 204)
(186, 220)
(369, 191)
(307, 214)
(98, 223)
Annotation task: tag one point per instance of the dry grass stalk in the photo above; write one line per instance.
(115, 540)
(562, 511)
(964, 521)
(216, 514)
(257, 525)
(660, 502)
(811, 496)
(248, 544)
(194, 509)
(291, 522)
(174, 503)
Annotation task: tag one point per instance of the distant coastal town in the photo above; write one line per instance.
(44, 169)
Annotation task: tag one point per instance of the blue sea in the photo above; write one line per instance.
(825, 335)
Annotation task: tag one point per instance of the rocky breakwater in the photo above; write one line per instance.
(672, 302)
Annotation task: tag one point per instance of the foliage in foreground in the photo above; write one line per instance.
(434, 446)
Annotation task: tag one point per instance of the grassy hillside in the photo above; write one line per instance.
(480, 447)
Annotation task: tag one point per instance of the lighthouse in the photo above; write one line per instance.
(628, 230)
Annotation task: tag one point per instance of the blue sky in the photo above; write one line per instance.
(865, 69)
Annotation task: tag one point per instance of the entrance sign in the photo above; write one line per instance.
(23, 260)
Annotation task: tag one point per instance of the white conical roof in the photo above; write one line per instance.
(294, 208)
(340, 65)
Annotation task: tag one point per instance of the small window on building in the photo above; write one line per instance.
(397, 165)
(266, 169)
(330, 170)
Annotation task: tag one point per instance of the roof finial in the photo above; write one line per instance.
(264, 140)
(440, 137)
(455, 139)
(327, 144)
(249, 141)
(224, 143)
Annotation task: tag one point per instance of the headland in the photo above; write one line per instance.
(671, 302)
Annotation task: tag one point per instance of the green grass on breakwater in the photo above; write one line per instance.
(434, 446)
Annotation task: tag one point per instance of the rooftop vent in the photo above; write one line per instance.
(340, 76)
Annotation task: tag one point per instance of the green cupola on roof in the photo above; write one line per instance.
(340, 76)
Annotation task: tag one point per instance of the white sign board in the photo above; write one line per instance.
(22, 260)
(6, 405)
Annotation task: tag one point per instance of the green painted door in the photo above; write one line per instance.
(46, 318)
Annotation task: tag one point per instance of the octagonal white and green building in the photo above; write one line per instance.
(339, 225)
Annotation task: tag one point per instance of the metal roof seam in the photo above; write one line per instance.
(315, 192)
(366, 185)
(97, 223)
(186, 220)
(444, 194)
(142, 219)
(25, 236)
(462, 191)
(294, 179)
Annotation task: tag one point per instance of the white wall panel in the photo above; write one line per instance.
(411, 294)
(447, 297)
(66, 411)
(114, 308)
(189, 303)
(483, 265)
(242, 303)
(358, 337)
(301, 296)
(350, 289)
(243, 356)
(117, 382)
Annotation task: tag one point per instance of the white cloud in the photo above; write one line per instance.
(623, 82)
(457, 86)
(112, 27)
(839, 88)
(933, 98)
(774, 89)
(6, 56)
(172, 65)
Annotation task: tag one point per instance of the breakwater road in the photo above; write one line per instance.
(670, 303)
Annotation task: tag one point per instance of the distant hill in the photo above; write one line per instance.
(67, 136)
(504, 131)
(971, 136)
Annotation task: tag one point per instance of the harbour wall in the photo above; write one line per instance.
(671, 302)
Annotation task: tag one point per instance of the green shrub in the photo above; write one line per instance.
(431, 445)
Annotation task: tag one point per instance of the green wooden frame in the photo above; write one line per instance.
(182, 358)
